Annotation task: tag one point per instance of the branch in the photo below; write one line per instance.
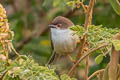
(114, 60)
(87, 62)
(95, 73)
(88, 20)
(84, 7)
(87, 54)
(86, 68)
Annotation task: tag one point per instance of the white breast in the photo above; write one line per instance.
(63, 40)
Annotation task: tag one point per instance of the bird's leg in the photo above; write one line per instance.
(71, 58)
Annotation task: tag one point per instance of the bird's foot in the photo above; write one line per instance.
(78, 41)
(71, 58)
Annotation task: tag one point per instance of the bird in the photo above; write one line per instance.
(63, 42)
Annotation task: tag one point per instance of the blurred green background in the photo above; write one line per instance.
(29, 20)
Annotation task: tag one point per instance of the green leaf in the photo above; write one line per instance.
(56, 3)
(27, 69)
(83, 0)
(66, 77)
(77, 28)
(71, 3)
(116, 5)
(116, 44)
(118, 71)
(99, 59)
(76, 1)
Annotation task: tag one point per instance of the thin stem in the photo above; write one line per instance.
(88, 21)
(95, 73)
(87, 61)
(84, 8)
(87, 54)
(86, 68)
(81, 48)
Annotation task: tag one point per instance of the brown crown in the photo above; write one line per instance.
(62, 20)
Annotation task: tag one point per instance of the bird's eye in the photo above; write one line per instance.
(59, 25)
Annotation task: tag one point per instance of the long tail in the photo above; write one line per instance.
(53, 58)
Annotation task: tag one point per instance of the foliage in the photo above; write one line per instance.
(116, 5)
(96, 34)
(99, 59)
(22, 67)
(6, 35)
(66, 77)
(23, 21)
(116, 43)
(25, 68)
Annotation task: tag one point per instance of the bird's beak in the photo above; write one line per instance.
(52, 26)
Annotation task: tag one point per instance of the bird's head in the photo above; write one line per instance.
(61, 23)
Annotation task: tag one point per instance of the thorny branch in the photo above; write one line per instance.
(88, 20)
(87, 54)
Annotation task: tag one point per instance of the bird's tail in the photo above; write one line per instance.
(53, 59)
